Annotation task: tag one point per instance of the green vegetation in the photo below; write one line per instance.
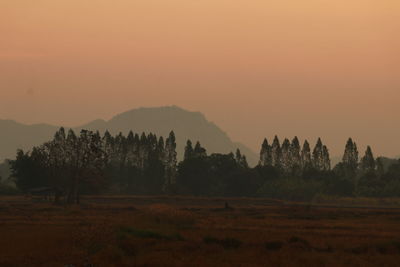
(133, 164)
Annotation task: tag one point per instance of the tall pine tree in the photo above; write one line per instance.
(295, 154)
(318, 158)
(326, 161)
(350, 156)
(199, 151)
(306, 162)
(276, 152)
(188, 150)
(368, 161)
(286, 160)
(170, 161)
(265, 154)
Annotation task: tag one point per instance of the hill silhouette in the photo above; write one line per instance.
(158, 120)
(14, 135)
(186, 125)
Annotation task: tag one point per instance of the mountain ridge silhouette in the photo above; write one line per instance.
(158, 120)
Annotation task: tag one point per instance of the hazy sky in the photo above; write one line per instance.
(254, 67)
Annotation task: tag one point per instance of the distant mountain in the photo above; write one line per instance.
(186, 125)
(14, 135)
(160, 120)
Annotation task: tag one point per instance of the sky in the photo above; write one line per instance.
(254, 67)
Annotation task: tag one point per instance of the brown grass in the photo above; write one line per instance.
(184, 231)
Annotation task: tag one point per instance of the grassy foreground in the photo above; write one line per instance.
(185, 231)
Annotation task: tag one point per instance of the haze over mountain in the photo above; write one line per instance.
(159, 120)
(14, 135)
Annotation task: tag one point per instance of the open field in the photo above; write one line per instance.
(184, 231)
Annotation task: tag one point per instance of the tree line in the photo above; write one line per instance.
(90, 163)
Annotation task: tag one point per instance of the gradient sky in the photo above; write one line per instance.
(254, 67)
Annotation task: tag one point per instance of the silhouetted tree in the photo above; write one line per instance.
(295, 155)
(188, 150)
(29, 170)
(194, 176)
(86, 162)
(145, 164)
(379, 167)
(368, 161)
(318, 157)
(170, 162)
(350, 156)
(326, 166)
(199, 151)
(241, 159)
(306, 161)
(286, 156)
(265, 154)
(276, 152)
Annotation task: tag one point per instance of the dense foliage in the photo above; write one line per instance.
(89, 163)
(133, 164)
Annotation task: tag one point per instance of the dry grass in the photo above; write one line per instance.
(180, 231)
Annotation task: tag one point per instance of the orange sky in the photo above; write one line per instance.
(308, 68)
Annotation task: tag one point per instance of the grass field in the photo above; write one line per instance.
(184, 231)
